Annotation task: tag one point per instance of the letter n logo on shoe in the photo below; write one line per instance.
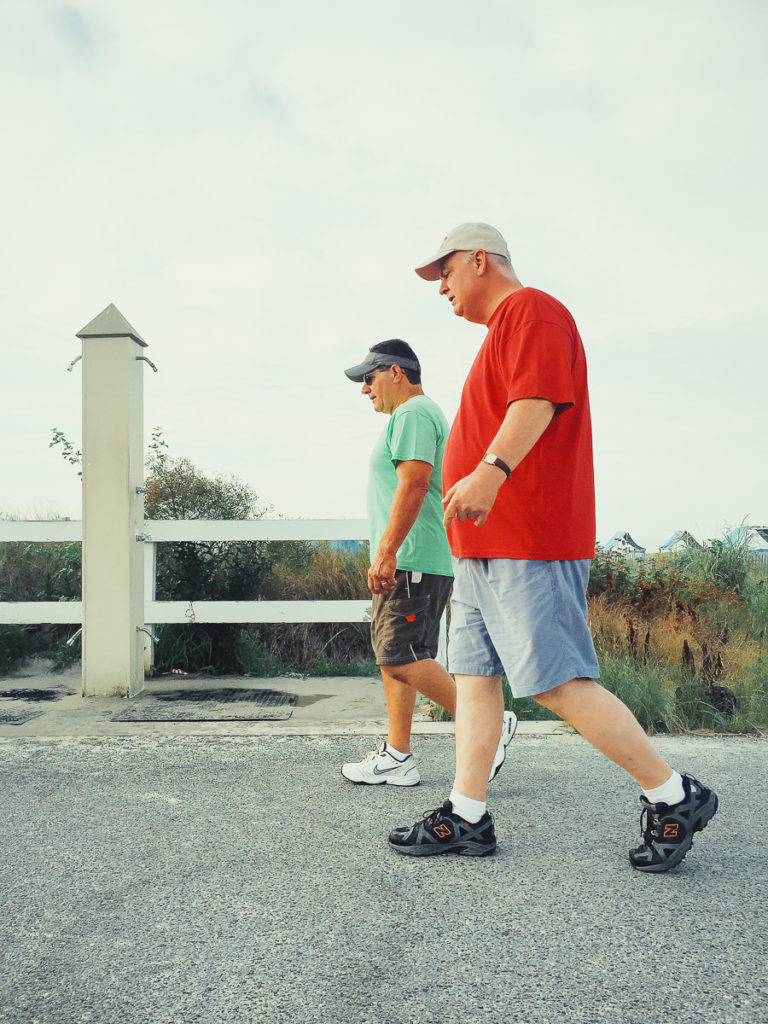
(671, 830)
(442, 831)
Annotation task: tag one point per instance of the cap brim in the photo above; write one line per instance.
(356, 373)
(430, 271)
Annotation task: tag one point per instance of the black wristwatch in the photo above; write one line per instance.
(494, 460)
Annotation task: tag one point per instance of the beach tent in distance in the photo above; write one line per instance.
(751, 538)
(622, 544)
(681, 540)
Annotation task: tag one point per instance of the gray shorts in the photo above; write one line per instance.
(521, 618)
(405, 624)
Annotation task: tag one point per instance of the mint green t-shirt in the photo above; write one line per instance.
(417, 429)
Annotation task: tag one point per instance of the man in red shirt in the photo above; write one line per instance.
(520, 514)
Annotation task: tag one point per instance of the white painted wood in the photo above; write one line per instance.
(113, 512)
(161, 530)
(62, 531)
(32, 613)
(150, 585)
(257, 611)
(71, 612)
(110, 323)
(204, 530)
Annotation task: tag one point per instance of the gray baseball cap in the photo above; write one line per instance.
(464, 238)
(375, 360)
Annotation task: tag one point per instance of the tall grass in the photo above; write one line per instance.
(682, 639)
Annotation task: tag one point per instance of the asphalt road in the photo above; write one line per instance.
(198, 879)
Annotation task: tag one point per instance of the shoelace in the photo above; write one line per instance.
(648, 824)
(432, 816)
(374, 754)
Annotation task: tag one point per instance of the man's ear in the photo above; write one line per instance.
(480, 261)
(398, 372)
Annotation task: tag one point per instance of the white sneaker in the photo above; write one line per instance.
(509, 725)
(380, 767)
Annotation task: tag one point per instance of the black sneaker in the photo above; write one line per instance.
(442, 831)
(668, 831)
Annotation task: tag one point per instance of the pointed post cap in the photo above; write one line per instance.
(110, 323)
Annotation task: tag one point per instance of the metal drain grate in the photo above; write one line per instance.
(34, 695)
(266, 698)
(227, 704)
(18, 717)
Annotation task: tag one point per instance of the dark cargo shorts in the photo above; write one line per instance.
(405, 624)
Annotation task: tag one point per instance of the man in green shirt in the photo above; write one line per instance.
(411, 574)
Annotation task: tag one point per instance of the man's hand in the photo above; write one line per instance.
(412, 485)
(473, 496)
(381, 575)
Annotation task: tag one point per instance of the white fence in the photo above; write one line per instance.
(118, 577)
(195, 530)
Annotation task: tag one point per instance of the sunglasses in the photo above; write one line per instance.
(368, 377)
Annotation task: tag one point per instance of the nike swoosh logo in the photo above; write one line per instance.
(384, 770)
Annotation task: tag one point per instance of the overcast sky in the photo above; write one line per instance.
(251, 184)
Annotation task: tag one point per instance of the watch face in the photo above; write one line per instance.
(493, 460)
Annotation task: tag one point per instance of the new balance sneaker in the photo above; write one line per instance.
(442, 831)
(379, 768)
(668, 831)
(508, 729)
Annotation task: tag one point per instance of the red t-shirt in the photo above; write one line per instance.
(546, 510)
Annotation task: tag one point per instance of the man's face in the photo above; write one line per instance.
(378, 387)
(460, 283)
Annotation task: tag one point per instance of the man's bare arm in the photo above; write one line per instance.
(473, 496)
(412, 486)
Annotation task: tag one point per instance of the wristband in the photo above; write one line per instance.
(494, 460)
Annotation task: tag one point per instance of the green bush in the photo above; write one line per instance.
(65, 653)
(36, 572)
(14, 646)
(247, 571)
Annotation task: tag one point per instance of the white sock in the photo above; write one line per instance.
(467, 808)
(670, 792)
(397, 754)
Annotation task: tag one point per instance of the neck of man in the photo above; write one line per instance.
(501, 289)
(408, 391)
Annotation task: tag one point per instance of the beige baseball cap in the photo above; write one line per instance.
(464, 238)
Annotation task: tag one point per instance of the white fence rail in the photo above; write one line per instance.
(39, 531)
(196, 531)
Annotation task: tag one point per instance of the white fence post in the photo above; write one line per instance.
(150, 588)
(113, 507)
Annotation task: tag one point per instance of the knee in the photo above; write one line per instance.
(558, 697)
(399, 673)
(548, 699)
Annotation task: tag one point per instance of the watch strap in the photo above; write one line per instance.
(494, 460)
